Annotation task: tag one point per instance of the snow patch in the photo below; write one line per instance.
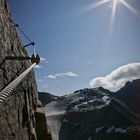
(98, 129)
(120, 130)
(110, 129)
(105, 98)
(64, 120)
(89, 138)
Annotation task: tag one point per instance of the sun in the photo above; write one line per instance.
(115, 4)
(116, 0)
(114, 9)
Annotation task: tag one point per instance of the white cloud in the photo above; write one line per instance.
(39, 80)
(38, 66)
(69, 74)
(51, 76)
(117, 78)
(43, 59)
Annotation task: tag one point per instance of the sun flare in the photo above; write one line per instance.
(113, 4)
(132, 9)
(114, 10)
(114, 7)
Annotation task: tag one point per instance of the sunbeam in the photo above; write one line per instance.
(113, 13)
(132, 9)
(115, 4)
(93, 6)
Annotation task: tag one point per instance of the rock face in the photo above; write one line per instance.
(130, 95)
(17, 112)
(46, 98)
(41, 129)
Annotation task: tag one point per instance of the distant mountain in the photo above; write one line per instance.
(92, 114)
(130, 95)
(46, 98)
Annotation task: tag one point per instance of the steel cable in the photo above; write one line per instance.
(8, 89)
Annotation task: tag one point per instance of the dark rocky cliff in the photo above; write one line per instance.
(46, 98)
(17, 112)
(94, 115)
(130, 95)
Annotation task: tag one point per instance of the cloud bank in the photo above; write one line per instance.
(69, 74)
(117, 78)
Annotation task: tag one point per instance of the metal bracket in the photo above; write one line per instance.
(33, 58)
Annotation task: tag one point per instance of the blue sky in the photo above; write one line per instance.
(78, 41)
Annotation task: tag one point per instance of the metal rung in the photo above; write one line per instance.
(17, 58)
(1, 101)
(4, 96)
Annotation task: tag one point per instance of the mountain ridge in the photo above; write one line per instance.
(92, 114)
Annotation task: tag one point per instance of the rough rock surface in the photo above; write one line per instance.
(17, 112)
(130, 95)
(46, 98)
(41, 129)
